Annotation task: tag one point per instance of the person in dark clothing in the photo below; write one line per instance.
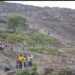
(24, 64)
(25, 57)
(20, 65)
(17, 64)
(11, 49)
(2, 47)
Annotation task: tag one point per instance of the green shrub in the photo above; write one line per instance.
(34, 67)
(23, 73)
(62, 73)
(53, 51)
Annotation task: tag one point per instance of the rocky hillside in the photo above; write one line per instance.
(59, 22)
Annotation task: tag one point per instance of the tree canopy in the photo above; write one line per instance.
(16, 21)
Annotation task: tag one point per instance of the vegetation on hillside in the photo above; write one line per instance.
(35, 41)
(46, 73)
(17, 21)
(37, 38)
(34, 71)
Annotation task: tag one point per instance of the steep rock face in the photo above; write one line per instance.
(60, 22)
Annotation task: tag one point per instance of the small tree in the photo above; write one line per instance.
(15, 21)
(34, 68)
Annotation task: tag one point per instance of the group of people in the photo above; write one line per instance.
(24, 60)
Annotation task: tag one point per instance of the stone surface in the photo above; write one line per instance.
(2, 72)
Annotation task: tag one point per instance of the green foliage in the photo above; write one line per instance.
(13, 37)
(23, 73)
(41, 38)
(36, 40)
(26, 73)
(34, 67)
(15, 21)
(34, 71)
(32, 38)
(53, 51)
(62, 73)
(48, 74)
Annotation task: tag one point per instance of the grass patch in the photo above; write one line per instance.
(37, 38)
(23, 73)
(53, 51)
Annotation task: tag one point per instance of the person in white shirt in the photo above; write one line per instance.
(3, 48)
(29, 59)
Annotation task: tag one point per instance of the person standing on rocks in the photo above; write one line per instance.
(3, 48)
(25, 57)
(17, 64)
(11, 46)
(29, 60)
(21, 59)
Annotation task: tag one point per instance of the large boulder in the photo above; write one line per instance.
(7, 68)
(7, 65)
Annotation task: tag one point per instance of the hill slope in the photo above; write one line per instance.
(60, 22)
